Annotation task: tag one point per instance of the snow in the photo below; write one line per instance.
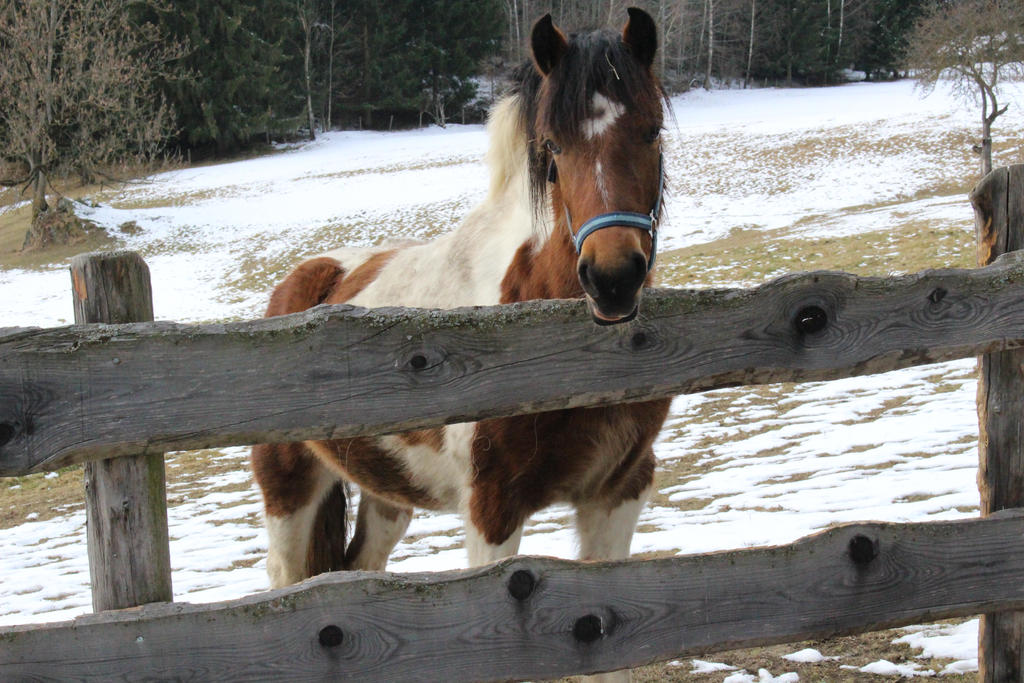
(958, 642)
(808, 656)
(700, 666)
(775, 463)
(884, 667)
(763, 676)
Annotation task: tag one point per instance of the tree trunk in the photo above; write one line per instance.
(330, 71)
(750, 43)
(986, 146)
(711, 43)
(842, 21)
(307, 29)
(39, 204)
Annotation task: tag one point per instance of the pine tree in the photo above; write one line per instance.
(886, 39)
(409, 59)
(240, 83)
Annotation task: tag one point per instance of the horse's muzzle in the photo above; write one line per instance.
(613, 294)
(604, 322)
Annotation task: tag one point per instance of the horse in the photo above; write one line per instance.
(575, 194)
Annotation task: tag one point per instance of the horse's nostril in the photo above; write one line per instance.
(584, 274)
(640, 264)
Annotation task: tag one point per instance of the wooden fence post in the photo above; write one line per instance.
(125, 497)
(999, 219)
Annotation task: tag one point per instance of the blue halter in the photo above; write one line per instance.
(626, 219)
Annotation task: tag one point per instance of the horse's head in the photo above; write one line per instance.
(599, 119)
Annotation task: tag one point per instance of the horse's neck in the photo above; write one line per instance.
(531, 254)
(543, 268)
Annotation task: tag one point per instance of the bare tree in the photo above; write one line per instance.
(976, 45)
(711, 42)
(750, 43)
(77, 89)
(306, 10)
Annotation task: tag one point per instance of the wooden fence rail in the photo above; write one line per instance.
(87, 392)
(529, 618)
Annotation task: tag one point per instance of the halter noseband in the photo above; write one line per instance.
(627, 219)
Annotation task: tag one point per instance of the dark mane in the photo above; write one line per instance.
(595, 62)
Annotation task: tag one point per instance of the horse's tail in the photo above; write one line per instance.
(281, 469)
(327, 542)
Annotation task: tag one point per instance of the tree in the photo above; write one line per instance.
(245, 79)
(307, 12)
(77, 91)
(885, 39)
(976, 45)
(408, 59)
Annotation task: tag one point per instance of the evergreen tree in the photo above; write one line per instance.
(241, 82)
(886, 40)
(408, 58)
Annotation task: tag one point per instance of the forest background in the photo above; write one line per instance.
(233, 73)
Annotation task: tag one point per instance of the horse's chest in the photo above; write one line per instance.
(566, 455)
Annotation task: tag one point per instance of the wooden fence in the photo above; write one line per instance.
(87, 393)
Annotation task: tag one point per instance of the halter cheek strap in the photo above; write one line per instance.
(626, 219)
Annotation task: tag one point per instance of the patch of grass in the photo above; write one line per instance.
(750, 257)
(37, 494)
(14, 224)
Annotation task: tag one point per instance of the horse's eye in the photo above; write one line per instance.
(552, 147)
(652, 135)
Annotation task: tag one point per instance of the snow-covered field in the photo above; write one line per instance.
(740, 467)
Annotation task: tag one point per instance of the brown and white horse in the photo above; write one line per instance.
(572, 208)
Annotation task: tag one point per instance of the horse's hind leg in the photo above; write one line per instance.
(380, 525)
(301, 499)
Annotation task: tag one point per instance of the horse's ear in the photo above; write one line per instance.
(641, 35)
(548, 44)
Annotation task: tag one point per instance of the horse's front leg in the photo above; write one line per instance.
(380, 525)
(481, 551)
(494, 521)
(605, 532)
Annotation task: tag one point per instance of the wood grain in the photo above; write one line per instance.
(467, 626)
(999, 219)
(77, 393)
(125, 497)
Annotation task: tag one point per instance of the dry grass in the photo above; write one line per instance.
(13, 226)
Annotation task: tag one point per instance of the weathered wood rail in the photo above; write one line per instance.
(86, 392)
(541, 618)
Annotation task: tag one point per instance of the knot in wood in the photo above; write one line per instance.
(639, 340)
(863, 550)
(588, 629)
(7, 433)
(331, 636)
(811, 319)
(418, 362)
(937, 295)
(521, 584)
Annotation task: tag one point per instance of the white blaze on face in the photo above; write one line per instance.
(602, 188)
(605, 113)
